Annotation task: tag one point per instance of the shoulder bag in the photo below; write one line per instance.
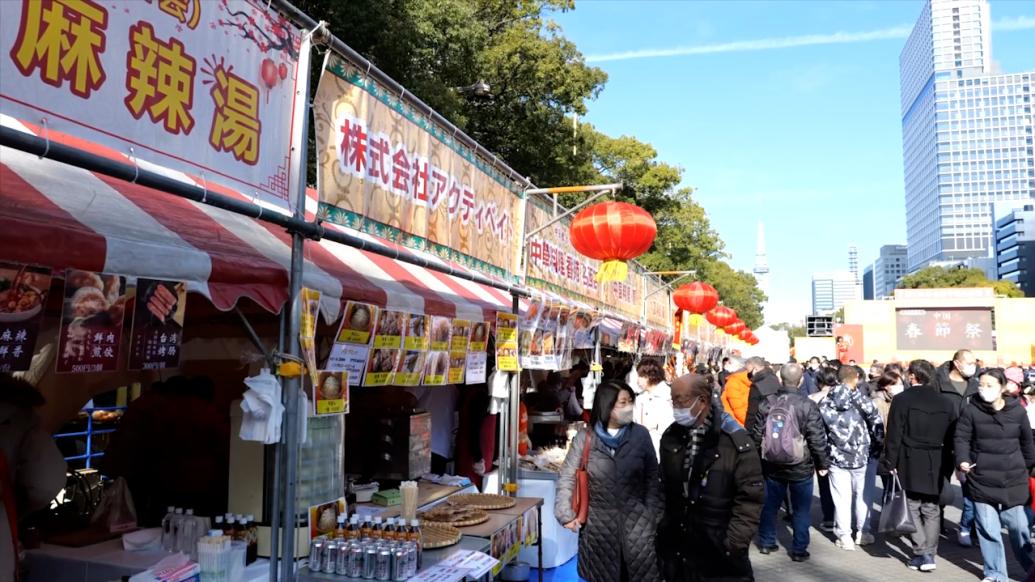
(580, 496)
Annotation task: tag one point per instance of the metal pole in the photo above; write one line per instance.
(576, 189)
(515, 412)
(567, 213)
(292, 385)
(278, 450)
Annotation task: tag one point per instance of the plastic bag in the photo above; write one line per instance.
(895, 517)
(116, 512)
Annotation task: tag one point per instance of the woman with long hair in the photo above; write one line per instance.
(616, 543)
(995, 449)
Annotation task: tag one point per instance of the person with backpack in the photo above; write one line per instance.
(853, 427)
(792, 439)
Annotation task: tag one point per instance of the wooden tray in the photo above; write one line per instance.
(482, 501)
(455, 515)
(438, 535)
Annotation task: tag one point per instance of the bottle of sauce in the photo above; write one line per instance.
(353, 531)
(367, 531)
(391, 534)
(339, 532)
(378, 531)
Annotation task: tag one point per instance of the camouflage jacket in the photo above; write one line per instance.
(854, 427)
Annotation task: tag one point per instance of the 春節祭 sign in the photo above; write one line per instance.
(203, 87)
(385, 169)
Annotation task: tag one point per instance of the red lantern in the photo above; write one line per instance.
(745, 334)
(612, 232)
(269, 72)
(721, 316)
(736, 328)
(697, 297)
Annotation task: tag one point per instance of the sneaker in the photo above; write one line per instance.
(928, 565)
(800, 557)
(768, 549)
(827, 526)
(916, 563)
(864, 539)
(964, 539)
(845, 543)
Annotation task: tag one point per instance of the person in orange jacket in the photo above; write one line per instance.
(737, 389)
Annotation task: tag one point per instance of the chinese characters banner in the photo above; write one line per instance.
(944, 329)
(23, 294)
(384, 168)
(91, 322)
(157, 333)
(205, 87)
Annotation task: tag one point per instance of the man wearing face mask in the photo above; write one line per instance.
(711, 475)
(957, 380)
(808, 384)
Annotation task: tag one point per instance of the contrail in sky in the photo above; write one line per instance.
(764, 44)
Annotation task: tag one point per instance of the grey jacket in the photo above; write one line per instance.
(625, 505)
(38, 472)
(854, 427)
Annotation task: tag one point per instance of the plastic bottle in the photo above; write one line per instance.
(339, 532)
(390, 533)
(251, 535)
(354, 531)
(367, 531)
(175, 525)
(189, 535)
(378, 530)
(415, 537)
(168, 533)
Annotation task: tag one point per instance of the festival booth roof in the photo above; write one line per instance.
(60, 216)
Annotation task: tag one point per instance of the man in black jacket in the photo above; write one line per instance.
(957, 381)
(919, 449)
(712, 479)
(763, 385)
(796, 477)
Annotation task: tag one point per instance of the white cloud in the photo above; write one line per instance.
(764, 44)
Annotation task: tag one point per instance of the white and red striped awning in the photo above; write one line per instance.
(60, 216)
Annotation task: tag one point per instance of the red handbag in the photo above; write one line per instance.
(580, 496)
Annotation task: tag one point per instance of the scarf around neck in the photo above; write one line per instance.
(612, 442)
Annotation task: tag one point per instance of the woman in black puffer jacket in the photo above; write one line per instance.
(995, 448)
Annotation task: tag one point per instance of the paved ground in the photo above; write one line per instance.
(883, 561)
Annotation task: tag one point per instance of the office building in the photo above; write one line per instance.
(966, 133)
(890, 266)
(1015, 248)
(869, 292)
(831, 290)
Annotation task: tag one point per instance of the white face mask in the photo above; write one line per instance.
(623, 416)
(989, 394)
(968, 370)
(684, 417)
(896, 389)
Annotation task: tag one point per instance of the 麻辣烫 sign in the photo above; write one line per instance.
(386, 169)
(203, 87)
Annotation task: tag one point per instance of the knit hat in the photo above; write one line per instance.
(1015, 375)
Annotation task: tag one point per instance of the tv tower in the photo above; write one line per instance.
(761, 269)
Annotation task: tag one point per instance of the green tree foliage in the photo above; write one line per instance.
(794, 331)
(539, 83)
(942, 277)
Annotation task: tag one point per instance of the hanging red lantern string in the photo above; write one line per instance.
(721, 316)
(696, 297)
(612, 232)
(736, 328)
(745, 334)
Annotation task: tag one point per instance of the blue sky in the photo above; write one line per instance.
(786, 111)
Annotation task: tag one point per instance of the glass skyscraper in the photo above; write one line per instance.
(966, 133)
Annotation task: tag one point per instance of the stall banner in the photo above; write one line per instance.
(357, 324)
(309, 313)
(391, 326)
(944, 329)
(629, 340)
(23, 295)
(506, 342)
(546, 359)
(436, 369)
(479, 337)
(657, 299)
(323, 518)
(206, 88)
(477, 362)
(385, 169)
(92, 317)
(331, 393)
(157, 332)
(417, 333)
(848, 339)
(410, 369)
(440, 331)
(381, 367)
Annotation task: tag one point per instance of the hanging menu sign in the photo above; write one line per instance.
(440, 330)
(477, 362)
(157, 335)
(531, 345)
(410, 368)
(380, 367)
(436, 369)
(357, 324)
(417, 333)
(352, 344)
(308, 316)
(390, 328)
(479, 336)
(506, 342)
(331, 394)
(91, 322)
(23, 295)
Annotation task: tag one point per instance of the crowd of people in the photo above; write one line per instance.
(684, 474)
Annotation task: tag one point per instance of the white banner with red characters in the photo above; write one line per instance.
(200, 86)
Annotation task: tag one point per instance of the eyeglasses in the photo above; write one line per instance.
(685, 401)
